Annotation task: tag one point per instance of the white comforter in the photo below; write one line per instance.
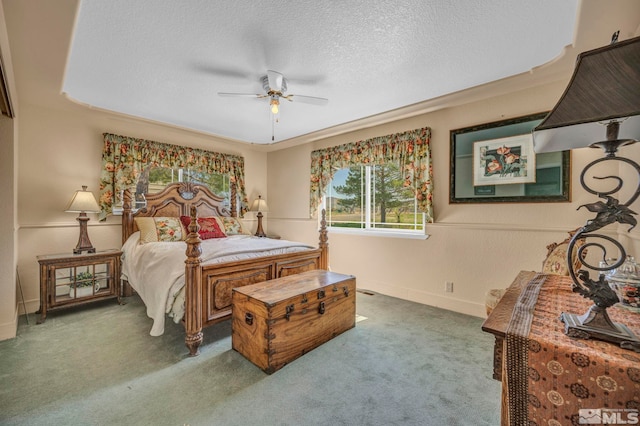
(156, 270)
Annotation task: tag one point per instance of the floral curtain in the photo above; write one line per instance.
(124, 158)
(411, 150)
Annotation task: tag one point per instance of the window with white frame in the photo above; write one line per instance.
(373, 198)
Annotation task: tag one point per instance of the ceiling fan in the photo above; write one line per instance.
(275, 87)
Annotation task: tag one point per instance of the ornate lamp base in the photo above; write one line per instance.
(260, 231)
(84, 244)
(596, 324)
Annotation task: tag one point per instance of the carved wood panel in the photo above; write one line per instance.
(284, 269)
(218, 286)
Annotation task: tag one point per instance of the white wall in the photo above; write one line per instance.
(8, 227)
(8, 195)
(476, 246)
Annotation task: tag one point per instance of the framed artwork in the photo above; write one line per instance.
(495, 162)
(504, 161)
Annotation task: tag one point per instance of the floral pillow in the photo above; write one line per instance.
(232, 225)
(556, 262)
(209, 227)
(160, 229)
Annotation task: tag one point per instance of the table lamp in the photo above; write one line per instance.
(259, 205)
(600, 108)
(83, 202)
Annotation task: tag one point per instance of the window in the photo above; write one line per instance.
(373, 198)
(379, 192)
(157, 178)
(154, 179)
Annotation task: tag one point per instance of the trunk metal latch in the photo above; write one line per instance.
(289, 310)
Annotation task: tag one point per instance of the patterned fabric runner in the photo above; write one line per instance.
(553, 379)
(517, 349)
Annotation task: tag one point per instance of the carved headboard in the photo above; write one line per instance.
(174, 201)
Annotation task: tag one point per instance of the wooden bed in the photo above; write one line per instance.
(208, 288)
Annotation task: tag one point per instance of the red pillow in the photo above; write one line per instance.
(209, 227)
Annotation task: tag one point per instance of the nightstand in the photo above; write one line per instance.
(76, 279)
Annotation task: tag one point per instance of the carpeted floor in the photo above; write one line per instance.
(405, 364)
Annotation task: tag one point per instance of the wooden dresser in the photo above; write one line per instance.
(548, 377)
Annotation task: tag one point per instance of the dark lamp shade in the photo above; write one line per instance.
(83, 201)
(605, 86)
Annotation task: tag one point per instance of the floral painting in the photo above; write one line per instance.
(504, 161)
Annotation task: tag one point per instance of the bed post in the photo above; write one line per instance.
(324, 242)
(127, 215)
(193, 287)
(127, 230)
(234, 201)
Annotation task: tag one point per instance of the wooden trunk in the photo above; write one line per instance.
(277, 321)
(218, 281)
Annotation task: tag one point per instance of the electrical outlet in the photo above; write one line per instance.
(448, 287)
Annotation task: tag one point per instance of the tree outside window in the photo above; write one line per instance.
(372, 197)
(155, 179)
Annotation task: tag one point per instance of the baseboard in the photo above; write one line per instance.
(32, 306)
(8, 330)
(462, 306)
(449, 303)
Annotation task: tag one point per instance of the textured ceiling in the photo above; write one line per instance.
(166, 60)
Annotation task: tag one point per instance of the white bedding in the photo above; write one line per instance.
(156, 270)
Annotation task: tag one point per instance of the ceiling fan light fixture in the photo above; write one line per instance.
(275, 88)
(274, 105)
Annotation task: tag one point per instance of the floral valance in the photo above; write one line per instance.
(124, 159)
(411, 150)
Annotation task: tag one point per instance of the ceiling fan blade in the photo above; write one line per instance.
(306, 99)
(275, 80)
(220, 71)
(251, 95)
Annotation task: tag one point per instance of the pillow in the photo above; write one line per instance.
(492, 298)
(556, 261)
(209, 227)
(155, 229)
(232, 225)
